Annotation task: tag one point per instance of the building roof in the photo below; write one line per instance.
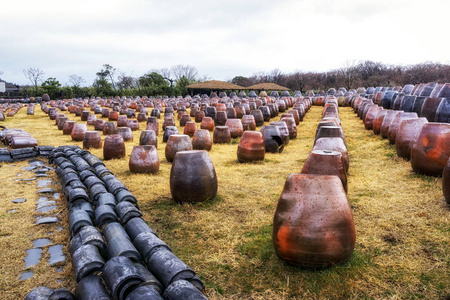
(215, 85)
(267, 86)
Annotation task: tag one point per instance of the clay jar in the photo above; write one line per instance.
(387, 121)
(326, 162)
(393, 128)
(221, 135)
(168, 132)
(177, 143)
(376, 126)
(148, 137)
(236, 128)
(330, 131)
(431, 150)
(113, 116)
(122, 121)
(141, 117)
(221, 118)
(68, 127)
(126, 133)
(313, 223)
(201, 140)
(334, 144)
(292, 128)
(105, 112)
(249, 122)
(184, 119)
(259, 118)
(295, 114)
(371, 115)
(92, 139)
(99, 124)
(61, 122)
(446, 182)
(265, 112)
(109, 128)
(240, 111)
(273, 142)
(91, 120)
(193, 177)
(144, 159)
(152, 124)
(190, 128)
(407, 135)
(251, 147)
(114, 147)
(284, 131)
(84, 115)
(199, 115)
(78, 132)
(443, 111)
(207, 123)
(168, 121)
(133, 124)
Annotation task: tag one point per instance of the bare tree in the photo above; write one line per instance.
(108, 71)
(348, 73)
(180, 71)
(35, 75)
(124, 81)
(76, 80)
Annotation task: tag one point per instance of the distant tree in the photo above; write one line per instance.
(108, 72)
(152, 78)
(242, 81)
(52, 87)
(35, 75)
(189, 72)
(125, 82)
(76, 80)
(347, 73)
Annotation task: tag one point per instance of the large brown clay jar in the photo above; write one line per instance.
(330, 131)
(133, 124)
(168, 132)
(259, 118)
(201, 140)
(189, 128)
(236, 128)
(122, 121)
(387, 121)
(313, 223)
(431, 149)
(110, 128)
(78, 132)
(184, 119)
(393, 128)
(152, 124)
(407, 134)
(92, 139)
(144, 159)
(292, 128)
(68, 127)
(207, 123)
(221, 118)
(248, 121)
(177, 143)
(193, 177)
(99, 124)
(326, 162)
(61, 122)
(113, 116)
(148, 137)
(91, 119)
(199, 115)
(273, 142)
(221, 135)
(114, 147)
(334, 144)
(376, 126)
(371, 115)
(251, 147)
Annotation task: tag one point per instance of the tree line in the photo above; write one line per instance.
(111, 81)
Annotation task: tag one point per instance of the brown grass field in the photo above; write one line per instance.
(402, 221)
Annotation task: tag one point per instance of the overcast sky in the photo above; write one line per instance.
(222, 39)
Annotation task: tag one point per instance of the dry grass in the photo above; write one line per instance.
(402, 248)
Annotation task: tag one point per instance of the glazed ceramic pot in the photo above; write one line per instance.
(443, 111)
(240, 111)
(155, 113)
(296, 115)
(387, 121)
(144, 159)
(284, 131)
(330, 131)
(122, 121)
(207, 123)
(168, 121)
(114, 147)
(266, 113)
(177, 143)
(113, 116)
(193, 111)
(168, 132)
(273, 141)
(221, 118)
(126, 133)
(133, 124)
(148, 137)
(326, 162)
(189, 128)
(376, 126)
(99, 124)
(429, 108)
(231, 113)
(131, 113)
(61, 122)
(313, 223)
(370, 116)
(446, 182)
(184, 118)
(221, 135)
(393, 128)
(84, 115)
(431, 150)
(92, 139)
(105, 112)
(251, 147)
(201, 140)
(334, 144)
(68, 127)
(236, 128)
(193, 177)
(91, 119)
(407, 134)
(152, 124)
(258, 116)
(142, 117)
(109, 128)
(249, 122)
(78, 132)
(292, 128)
(199, 115)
